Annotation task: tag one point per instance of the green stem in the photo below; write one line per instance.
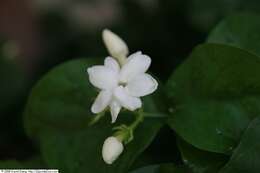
(96, 118)
(138, 120)
(126, 133)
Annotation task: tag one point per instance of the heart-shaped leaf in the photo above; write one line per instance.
(241, 30)
(58, 113)
(214, 95)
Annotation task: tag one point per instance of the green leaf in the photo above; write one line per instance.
(58, 113)
(241, 30)
(246, 156)
(163, 168)
(201, 161)
(215, 93)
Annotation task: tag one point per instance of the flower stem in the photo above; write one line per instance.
(96, 118)
(154, 115)
(126, 133)
(138, 120)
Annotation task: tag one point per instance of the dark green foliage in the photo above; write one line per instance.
(215, 92)
(210, 104)
(57, 117)
(241, 30)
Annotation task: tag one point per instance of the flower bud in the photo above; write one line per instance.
(111, 150)
(116, 47)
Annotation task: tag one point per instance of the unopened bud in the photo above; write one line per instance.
(116, 47)
(112, 148)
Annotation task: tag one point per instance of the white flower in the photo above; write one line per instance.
(121, 82)
(121, 87)
(112, 148)
(116, 47)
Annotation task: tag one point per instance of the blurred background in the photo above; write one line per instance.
(36, 35)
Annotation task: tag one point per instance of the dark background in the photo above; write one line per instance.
(39, 34)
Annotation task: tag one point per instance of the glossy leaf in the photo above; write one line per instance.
(57, 117)
(200, 161)
(246, 156)
(215, 93)
(241, 30)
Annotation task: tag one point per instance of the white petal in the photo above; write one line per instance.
(111, 150)
(103, 77)
(115, 108)
(115, 45)
(142, 85)
(129, 102)
(136, 64)
(112, 64)
(101, 102)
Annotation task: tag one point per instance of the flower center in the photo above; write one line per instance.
(123, 84)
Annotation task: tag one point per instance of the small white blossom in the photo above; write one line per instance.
(112, 148)
(121, 82)
(116, 47)
(121, 87)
